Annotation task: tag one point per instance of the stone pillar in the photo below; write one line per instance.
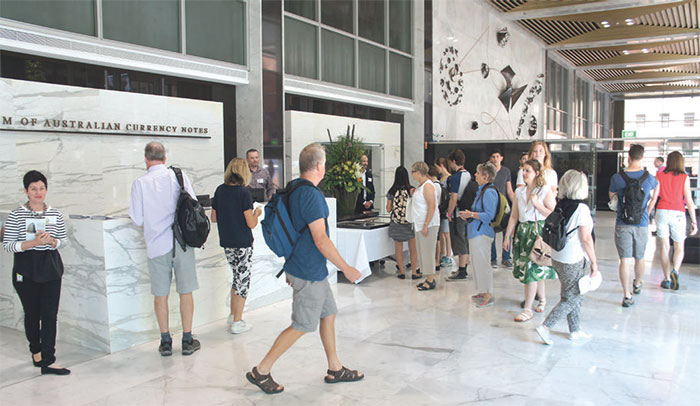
(413, 132)
(249, 104)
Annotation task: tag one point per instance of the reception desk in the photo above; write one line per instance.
(106, 302)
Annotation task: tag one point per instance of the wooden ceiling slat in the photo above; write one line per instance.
(618, 15)
(625, 33)
(543, 4)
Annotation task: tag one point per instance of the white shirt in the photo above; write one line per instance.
(573, 251)
(526, 210)
(153, 200)
(420, 207)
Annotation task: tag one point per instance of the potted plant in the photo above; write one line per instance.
(343, 178)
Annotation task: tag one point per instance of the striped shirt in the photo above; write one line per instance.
(23, 223)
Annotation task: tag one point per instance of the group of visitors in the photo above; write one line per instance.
(468, 223)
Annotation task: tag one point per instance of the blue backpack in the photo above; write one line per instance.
(278, 229)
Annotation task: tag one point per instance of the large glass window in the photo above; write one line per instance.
(304, 8)
(558, 102)
(216, 29)
(401, 75)
(370, 15)
(338, 14)
(338, 58)
(301, 49)
(400, 25)
(372, 65)
(688, 119)
(665, 118)
(67, 15)
(153, 24)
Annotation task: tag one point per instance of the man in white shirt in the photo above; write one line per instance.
(153, 202)
(365, 200)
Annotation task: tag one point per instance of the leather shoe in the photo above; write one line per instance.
(54, 371)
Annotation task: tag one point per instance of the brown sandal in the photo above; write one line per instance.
(264, 382)
(343, 375)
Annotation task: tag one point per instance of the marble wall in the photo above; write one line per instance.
(304, 128)
(471, 31)
(92, 173)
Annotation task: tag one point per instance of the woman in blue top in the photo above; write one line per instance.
(232, 210)
(481, 234)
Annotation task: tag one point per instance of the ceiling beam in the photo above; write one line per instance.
(659, 89)
(636, 47)
(618, 15)
(544, 9)
(615, 36)
(650, 77)
(638, 60)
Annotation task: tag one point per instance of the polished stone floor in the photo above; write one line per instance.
(416, 348)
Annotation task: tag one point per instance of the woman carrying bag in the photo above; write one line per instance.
(400, 227)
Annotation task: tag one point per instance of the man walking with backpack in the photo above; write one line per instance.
(154, 198)
(457, 184)
(307, 274)
(633, 188)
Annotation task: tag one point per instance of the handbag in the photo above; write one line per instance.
(409, 209)
(541, 253)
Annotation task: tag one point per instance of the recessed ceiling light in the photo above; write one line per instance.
(626, 52)
(645, 50)
(605, 24)
(629, 21)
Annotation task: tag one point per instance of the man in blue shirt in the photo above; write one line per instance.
(306, 271)
(631, 239)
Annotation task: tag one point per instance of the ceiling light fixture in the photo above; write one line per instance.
(626, 52)
(605, 24)
(629, 21)
(645, 50)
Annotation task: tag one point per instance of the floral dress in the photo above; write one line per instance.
(400, 229)
(530, 226)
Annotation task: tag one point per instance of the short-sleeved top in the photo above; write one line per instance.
(502, 178)
(306, 205)
(230, 202)
(617, 185)
(671, 189)
(550, 177)
(573, 251)
(457, 182)
(398, 207)
(526, 210)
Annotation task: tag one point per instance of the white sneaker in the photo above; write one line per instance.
(579, 336)
(229, 321)
(543, 332)
(240, 327)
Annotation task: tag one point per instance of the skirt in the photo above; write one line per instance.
(401, 232)
(525, 270)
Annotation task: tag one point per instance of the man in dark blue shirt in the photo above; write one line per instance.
(306, 271)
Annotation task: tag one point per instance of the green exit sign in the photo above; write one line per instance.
(629, 134)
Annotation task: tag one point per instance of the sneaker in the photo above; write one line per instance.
(477, 298)
(230, 320)
(506, 264)
(579, 336)
(674, 280)
(637, 289)
(494, 264)
(627, 302)
(665, 284)
(166, 348)
(457, 276)
(481, 304)
(543, 332)
(443, 262)
(189, 348)
(240, 327)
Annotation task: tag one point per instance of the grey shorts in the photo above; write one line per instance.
(444, 226)
(458, 236)
(311, 302)
(631, 241)
(670, 222)
(161, 270)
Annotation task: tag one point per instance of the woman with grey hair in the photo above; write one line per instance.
(480, 232)
(426, 219)
(571, 262)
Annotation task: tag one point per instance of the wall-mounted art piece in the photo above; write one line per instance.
(510, 95)
(503, 36)
(485, 70)
(532, 129)
(451, 76)
(535, 89)
(475, 125)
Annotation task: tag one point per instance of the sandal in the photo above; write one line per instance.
(401, 276)
(524, 316)
(540, 306)
(425, 285)
(343, 375)
(264, 382)
(416, 276)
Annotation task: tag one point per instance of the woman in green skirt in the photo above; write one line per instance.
(534, 201)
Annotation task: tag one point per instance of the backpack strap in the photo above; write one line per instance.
(178, 175)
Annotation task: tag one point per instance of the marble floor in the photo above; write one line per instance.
(416, 348)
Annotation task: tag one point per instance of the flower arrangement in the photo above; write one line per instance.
(343, 162)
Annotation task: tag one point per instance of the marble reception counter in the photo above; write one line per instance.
(106, 303)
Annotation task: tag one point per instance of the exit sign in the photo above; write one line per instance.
(629, 134)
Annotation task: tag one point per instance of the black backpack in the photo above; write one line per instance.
(191, 226)
(444, 200)
(468, 196)
(554, 231)
(632, 199)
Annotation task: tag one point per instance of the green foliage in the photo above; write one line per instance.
(343, 162)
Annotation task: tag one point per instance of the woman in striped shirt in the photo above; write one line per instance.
(33, 232)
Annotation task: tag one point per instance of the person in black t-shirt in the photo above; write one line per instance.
(232, 210)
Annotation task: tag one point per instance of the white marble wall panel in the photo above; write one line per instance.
(10, 181)
(472, 30)
(305, 128)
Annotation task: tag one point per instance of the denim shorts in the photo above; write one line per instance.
(311, 302)
(670, 222)
(631, 241)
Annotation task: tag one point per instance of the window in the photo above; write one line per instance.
(372, 65)
(67, 15)
(222, 20)
(664, 120)
(400, 25)
(153, 24)
(338, 14)
(641, 120)
(558, 102)
(338, 58)
(304, 8)
(689, 119)
(371, 20)
(400, 76)
(301, 49)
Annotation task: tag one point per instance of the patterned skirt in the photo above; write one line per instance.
(525, 270)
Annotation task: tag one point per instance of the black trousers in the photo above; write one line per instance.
(40, 303)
